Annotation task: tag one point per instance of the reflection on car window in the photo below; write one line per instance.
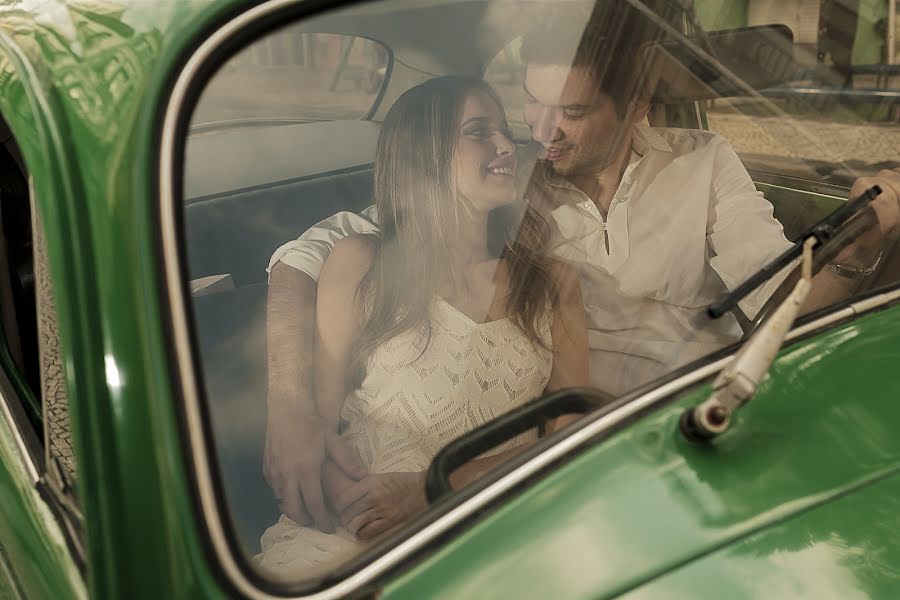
(388, 278)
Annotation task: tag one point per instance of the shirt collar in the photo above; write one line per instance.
(647, 138)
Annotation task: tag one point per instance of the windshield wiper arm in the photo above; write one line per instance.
(738, 382)
(822, 232)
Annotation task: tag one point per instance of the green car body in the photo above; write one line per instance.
(801, 499)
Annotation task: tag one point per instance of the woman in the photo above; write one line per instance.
(423, 333)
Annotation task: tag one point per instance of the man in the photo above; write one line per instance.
(657, 222)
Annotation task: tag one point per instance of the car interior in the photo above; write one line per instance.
(238, 209)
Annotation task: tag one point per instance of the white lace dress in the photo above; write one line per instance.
(411, 404)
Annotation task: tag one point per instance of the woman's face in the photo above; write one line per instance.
(485, 159)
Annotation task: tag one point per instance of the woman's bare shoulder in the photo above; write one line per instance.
(348, 263)
(357, 247)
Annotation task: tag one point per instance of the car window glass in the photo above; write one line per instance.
(368, 283)
(828, 115)
(295, 75)
(836, 114)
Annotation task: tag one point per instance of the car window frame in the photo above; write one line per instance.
(189, 75)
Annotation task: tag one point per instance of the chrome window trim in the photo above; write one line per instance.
(188, 378)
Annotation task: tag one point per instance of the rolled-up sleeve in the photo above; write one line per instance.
(742, 230)
(309, 252)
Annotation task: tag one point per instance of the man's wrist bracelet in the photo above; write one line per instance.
(851, 272)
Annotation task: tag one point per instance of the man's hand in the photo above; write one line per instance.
(380, 502)
(297, 448)
(335, 482)
(298, 441)
(887, 208)
(887, 204)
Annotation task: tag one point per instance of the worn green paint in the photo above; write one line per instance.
(646, 502)
(81, 91)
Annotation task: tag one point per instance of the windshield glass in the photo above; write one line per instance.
(403, 220)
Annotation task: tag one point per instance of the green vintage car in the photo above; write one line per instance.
(154, 156)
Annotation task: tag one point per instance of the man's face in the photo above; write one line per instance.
(574, 122)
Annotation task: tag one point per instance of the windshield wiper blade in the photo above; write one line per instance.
(822, 232)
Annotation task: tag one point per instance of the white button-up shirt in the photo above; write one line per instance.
(685, 225)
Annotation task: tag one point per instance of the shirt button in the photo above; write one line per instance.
(587, 204)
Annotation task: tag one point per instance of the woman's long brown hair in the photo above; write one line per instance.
(420, 212)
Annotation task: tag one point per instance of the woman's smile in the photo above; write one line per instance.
(504, 166)
(485, 156)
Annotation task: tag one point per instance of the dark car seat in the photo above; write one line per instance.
(236, 233)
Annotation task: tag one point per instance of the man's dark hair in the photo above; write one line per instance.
(606, 39)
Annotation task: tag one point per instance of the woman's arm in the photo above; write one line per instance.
(569, 335)
(338, 321)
